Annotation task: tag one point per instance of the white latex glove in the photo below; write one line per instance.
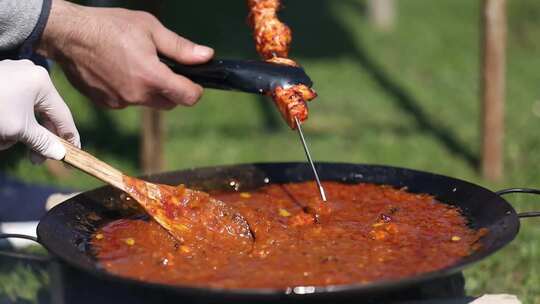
(497, 299)
(26, 89)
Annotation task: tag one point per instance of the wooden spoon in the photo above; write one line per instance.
(188, 215)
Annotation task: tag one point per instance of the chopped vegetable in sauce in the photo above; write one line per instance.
(364, 233)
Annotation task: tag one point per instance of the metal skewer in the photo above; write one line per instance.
(308, 155)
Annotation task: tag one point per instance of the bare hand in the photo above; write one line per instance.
(110, 55)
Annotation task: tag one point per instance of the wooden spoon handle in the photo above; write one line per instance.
(93, 166)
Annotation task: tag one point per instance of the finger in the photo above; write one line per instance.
(176, 88)
(58, 117)
(180, 49)
(109, 104)
(35, 157)
(48, 124)
(43, 141)
(103, 97)
(161, 103)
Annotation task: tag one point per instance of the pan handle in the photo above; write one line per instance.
(521, 190)
(22, 255)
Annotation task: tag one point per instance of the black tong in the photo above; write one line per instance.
(250, 76)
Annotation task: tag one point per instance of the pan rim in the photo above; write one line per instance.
(300, 290)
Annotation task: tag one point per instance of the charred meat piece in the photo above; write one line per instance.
(272, 40)
(272, 37)
(291, 102)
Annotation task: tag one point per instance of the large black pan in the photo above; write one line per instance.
(65, 230)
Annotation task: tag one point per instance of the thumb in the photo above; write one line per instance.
(57, 117)
(42, 141)
(180, 49)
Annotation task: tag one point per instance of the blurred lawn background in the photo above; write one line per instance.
(405, 98)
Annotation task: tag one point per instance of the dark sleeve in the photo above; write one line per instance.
(26, 49)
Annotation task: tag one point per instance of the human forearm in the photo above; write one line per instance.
(111, 55)
(62, 28)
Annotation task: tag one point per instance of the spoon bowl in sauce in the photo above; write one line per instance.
(190, 216)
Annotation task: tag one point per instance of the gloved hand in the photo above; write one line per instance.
(26, 89)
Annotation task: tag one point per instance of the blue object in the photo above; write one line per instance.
(21, 201)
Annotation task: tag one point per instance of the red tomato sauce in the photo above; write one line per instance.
(364, 233)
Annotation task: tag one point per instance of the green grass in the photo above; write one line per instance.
(23, 282)
(405, 98)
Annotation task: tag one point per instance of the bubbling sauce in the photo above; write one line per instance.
(364, 233)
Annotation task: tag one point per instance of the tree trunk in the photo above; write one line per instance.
(152, 141)
(152, 132)
(382, 14)
(493, 87)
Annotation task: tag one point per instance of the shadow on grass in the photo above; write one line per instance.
(225, 28)
(271, 119)
(11, 157)
(407, 103)
(318, 34)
